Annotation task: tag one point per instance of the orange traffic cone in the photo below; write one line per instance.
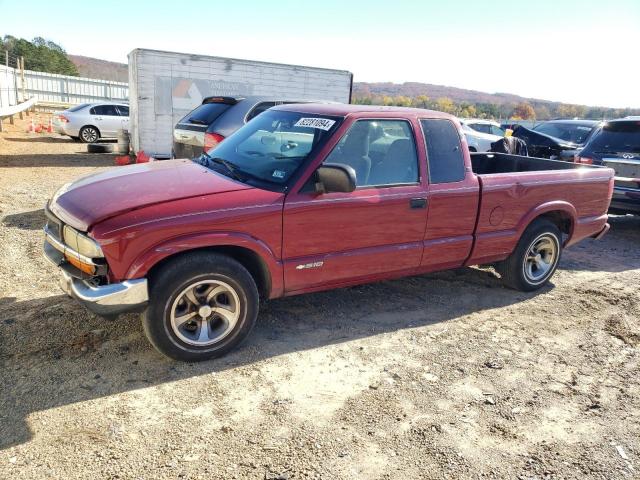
(38, 128)
(142, 157)
(123, 160)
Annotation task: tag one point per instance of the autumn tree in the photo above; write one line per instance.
(445, 104)
(524, 111)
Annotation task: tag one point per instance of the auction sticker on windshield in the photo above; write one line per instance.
(321, 123)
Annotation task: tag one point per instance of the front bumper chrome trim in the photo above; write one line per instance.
(107, 300)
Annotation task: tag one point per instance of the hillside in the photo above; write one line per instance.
(458, 101)
(458, 95)
(101, 69)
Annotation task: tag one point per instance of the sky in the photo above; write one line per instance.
(585, 52)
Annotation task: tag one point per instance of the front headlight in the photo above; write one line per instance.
(81, 243)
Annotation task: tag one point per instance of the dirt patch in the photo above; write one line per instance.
(438, 376)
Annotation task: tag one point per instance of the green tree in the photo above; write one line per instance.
(40, 55)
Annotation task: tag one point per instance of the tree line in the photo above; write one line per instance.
(515, 111)
(40, 55)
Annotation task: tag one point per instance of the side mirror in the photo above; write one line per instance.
(335, 177)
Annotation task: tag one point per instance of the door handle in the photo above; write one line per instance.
(418, 203)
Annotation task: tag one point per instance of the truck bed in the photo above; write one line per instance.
(515, 189)
(490, 163)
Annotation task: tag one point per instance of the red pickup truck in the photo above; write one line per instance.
(306, 198)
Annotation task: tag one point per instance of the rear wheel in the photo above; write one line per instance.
(535, 258)
(201, 306)
(89, 134)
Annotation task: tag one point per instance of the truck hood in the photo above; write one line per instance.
(96, 197)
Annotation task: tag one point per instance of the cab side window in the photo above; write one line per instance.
(382, 153)
(444, 153)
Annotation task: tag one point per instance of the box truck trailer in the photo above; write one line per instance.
(165, 86)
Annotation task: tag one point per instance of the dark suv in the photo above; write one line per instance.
(617, 145)
(214, 120)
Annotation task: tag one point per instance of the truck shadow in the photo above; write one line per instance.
(33, 220)
(54, 353)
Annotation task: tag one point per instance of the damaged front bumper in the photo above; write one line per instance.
(107, 300)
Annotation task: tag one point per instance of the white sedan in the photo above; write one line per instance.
(89, 122)
(481, 134)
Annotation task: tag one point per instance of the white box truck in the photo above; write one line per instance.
(165, 86)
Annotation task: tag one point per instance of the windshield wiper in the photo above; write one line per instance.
(231, 168)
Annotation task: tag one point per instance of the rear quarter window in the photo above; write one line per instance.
(444, 152)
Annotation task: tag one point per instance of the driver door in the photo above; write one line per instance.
(334, 239)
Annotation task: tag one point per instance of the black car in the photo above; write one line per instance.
(616, 144)
(214, 120)
(556, 139)
(572, 131)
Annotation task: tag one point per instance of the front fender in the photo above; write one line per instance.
(141, 266)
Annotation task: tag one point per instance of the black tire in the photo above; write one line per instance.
(166, 291)
(519, 273)
(89, 134)
(100, 148)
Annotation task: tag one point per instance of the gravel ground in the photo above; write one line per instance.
(437, 376)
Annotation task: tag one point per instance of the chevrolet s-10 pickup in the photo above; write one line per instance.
(306, 198)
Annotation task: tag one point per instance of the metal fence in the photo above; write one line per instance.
(53, 88)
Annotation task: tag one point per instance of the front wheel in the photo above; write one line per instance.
(201, 306)
(535, 258)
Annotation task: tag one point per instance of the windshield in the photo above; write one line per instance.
(565, 131)
(271, 147)
(617, 137)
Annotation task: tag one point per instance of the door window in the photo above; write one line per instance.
(382, 152)
(444, 154)
(497, 131)
(124, 110)
(480, 127)
(106, 110)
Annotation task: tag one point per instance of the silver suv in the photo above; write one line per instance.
(215, 119)
(89, 122)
